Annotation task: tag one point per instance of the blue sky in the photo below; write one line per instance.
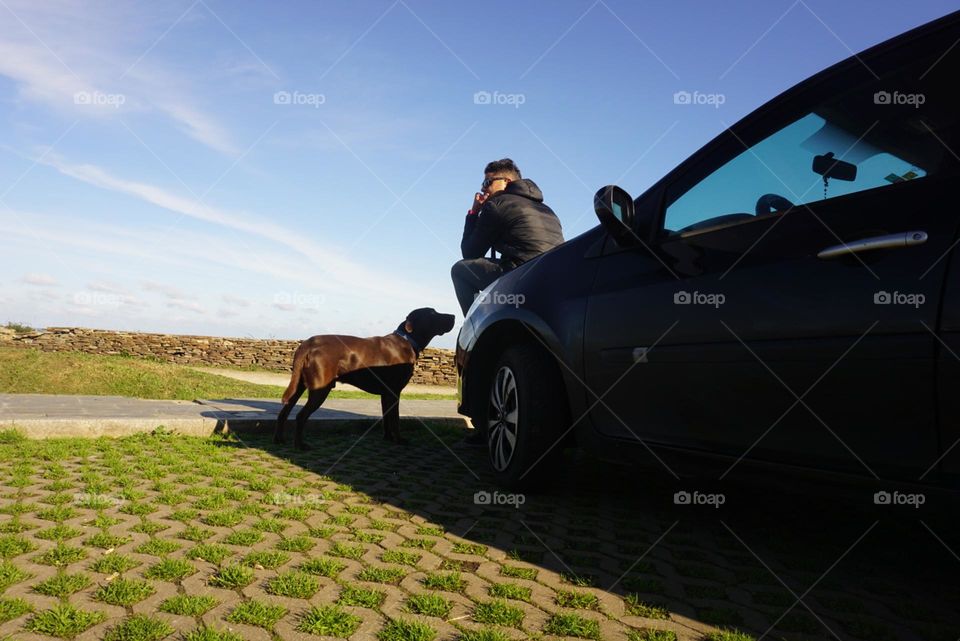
(286, 169)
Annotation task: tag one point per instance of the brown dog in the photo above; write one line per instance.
(380, 365)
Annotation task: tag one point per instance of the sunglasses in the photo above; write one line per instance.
(489, 181)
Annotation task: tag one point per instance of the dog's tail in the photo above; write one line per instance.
(296, 387)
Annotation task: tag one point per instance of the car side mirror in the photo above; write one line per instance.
(614, 208)
(830, 167)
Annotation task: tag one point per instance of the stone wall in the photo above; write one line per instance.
(435, 367)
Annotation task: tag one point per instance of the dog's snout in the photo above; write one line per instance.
(448, 321)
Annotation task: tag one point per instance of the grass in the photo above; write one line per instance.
(649, 634)
(296, 584)
(484, 634)
(330, 621)
(449, 581)
(232, 577)
(382, 575)
(404, 630)
(270, 559)
(431, 605)
(64, 621)
(573, 625)
(401, 557)
(139, 627)
(61, 555)
(498, 612)
(31, 371)
(63, 585)
(580, 600)
(244, 538)
(112, 563)
(517, 572)
(10, 574)
(323, 566)
(189, 605)
(510, 591)
(258, 613)
(360, 596)
(210, 552)
(124, 592)
(639, 608)
(170, 570)
(728, 635)
(11, 609)
(209, 634)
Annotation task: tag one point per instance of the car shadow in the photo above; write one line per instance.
(776, 557)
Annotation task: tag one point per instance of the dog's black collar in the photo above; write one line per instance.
(413, 343)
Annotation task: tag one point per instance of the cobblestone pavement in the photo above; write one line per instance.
(159, 536)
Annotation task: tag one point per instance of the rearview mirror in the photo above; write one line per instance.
(830, 167)
(614, 208)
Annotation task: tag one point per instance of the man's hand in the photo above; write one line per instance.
(478, 199)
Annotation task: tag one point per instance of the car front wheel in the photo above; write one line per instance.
(524, 418)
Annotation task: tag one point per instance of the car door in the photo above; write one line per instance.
(749, 327)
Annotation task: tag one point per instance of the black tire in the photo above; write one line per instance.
(525, 414)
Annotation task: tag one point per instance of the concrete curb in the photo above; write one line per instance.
(45, 428)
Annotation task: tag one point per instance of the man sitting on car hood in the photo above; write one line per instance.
(509, 216)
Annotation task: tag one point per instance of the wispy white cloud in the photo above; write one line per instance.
(40, 280)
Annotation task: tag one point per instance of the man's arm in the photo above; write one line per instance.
(480, 231)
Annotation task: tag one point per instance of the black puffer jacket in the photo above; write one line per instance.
(515, 222)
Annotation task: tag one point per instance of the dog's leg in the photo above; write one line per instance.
(285, 412)
(314, 401)
(390, 406)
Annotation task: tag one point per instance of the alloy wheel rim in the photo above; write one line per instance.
(502, 418)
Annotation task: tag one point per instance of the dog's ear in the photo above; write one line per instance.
(407, 326)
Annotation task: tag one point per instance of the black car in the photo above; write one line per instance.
(788, 294)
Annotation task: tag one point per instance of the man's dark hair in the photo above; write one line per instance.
(503, 166)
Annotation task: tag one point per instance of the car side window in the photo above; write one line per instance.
(778, 172)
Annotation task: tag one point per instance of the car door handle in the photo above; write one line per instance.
(889, 241)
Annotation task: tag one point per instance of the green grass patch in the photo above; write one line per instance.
(517, 572)
(431, 605)
(209, 634)
(323, 566)
(105, 540)
(580, 600)
(347, 551)
(232, 577)
(112, 563)
(58, 533)
(10, 574)
(157, 547)
(11, 609)
(170, 570)
(639, 608)
(649, 634)
(382, 575)
(449, 581)
(14, 545)
(470, 548)
(296, 544)
(360, 596)
(210, 552)
(498, 612)
(330, 621)
(62, 584)
(404, 630)
(124, 592)
(243, 538)
(510, 591)
(64, 621)
(253, 612)
(484, 634)
(223, 518)
(401, 557)
(196, 534)
(296, 584)
(728, 635)
(268, 559)
(61, 555)
(573, 625)
(139, 627)
(189, 605)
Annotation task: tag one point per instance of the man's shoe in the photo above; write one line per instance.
(476, 438)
